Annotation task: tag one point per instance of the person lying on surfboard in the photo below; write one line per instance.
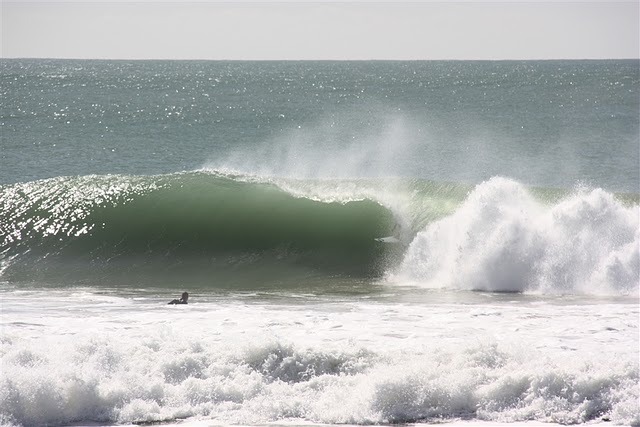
(183, 299)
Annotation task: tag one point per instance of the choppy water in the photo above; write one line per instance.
(509, 291)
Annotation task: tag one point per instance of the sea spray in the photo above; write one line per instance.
(503, 239)
(353, 144)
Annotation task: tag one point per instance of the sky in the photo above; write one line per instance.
(304, 30)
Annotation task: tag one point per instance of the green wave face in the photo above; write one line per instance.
(155, 230)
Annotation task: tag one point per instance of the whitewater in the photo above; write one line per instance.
(505, 290)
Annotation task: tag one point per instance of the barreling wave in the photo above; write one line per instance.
(138, 229)
(210, 228)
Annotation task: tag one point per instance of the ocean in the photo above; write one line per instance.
(369, 242)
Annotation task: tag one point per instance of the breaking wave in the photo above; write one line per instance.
(209, 227)
(504, 239)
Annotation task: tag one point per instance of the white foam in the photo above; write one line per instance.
(71, 358)
(502, 239)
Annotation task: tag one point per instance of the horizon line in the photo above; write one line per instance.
(318, 59)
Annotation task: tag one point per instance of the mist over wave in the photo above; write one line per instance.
(503, 239)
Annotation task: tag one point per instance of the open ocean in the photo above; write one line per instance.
(506, 290)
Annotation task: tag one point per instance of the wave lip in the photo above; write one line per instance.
(503, 239)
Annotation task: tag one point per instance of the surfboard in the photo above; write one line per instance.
(388, 239)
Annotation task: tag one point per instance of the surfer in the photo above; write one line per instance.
(394, 237)
(183, 299)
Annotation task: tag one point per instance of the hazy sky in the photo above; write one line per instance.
(314, 30)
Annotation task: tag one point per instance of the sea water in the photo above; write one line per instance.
(508, 293)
